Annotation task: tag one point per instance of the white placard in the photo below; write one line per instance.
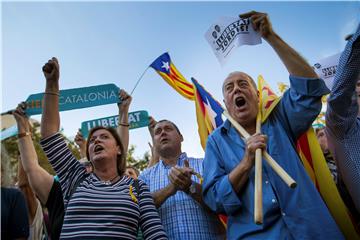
(228, 33)
(326, 68)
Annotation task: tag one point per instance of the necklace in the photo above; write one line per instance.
(108, 182)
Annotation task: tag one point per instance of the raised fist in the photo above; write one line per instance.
(51, 70)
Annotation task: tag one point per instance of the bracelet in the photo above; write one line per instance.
(24, 134)
(52, 93)
(124, 124)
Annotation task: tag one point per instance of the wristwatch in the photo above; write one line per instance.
(192, 188)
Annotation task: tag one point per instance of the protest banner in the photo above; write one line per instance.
(76, 98)
(326, 68)
(228, 33)
(137, 119)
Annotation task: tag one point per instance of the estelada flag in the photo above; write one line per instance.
(208, 112)
(167, 70)
(315, 165)
(208, 116)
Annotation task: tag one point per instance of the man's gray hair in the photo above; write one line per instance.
(237, 72)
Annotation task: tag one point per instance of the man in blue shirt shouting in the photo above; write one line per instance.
(228, 166)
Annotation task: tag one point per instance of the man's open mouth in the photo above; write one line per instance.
(240, 101)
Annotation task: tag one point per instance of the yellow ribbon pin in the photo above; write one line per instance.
(132, 194)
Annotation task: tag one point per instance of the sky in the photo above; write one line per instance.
(114, 42)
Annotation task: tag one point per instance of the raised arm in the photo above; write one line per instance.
(301, 103)
(50, 120)
(81, 142)
(295, 64)
(60, 157)
(123, 127)
(29, 195)
(40, 181)
(154, 154)
(343, 108)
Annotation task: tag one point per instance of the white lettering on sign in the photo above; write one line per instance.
(90, 97)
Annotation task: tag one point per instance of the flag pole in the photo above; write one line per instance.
(258, 207)
(139, 80)
(276, 167)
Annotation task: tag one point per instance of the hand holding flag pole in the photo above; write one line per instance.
(206, 105)
(275, 166)
(207, 108)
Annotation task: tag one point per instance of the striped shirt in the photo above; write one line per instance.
(183, 217)
(96, 210)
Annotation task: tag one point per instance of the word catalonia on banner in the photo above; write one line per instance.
(76, 98)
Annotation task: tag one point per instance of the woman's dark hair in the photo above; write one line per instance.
(121, 159)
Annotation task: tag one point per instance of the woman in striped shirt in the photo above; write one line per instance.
(104, 204)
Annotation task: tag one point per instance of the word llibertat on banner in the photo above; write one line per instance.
(136, 120)
(76, 98)
(228, 33)
(326, 68)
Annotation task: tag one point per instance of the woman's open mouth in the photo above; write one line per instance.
(98, 148)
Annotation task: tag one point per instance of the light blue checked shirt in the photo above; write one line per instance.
(342, 120)
(182, 217)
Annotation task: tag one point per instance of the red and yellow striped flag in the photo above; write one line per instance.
(268, 97)
(315, 165)
(167, 70)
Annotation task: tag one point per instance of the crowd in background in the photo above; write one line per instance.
(177, 196)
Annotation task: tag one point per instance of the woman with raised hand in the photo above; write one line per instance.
(102, 204)
(43, 184)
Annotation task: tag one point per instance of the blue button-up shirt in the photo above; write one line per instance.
(342, 120)
(182, 217)
(297, 213)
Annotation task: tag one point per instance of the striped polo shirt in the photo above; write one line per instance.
(96, 210)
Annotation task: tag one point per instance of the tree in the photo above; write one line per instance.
(138, 163)
(11, 152)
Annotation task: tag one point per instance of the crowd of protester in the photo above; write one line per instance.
(177, 196)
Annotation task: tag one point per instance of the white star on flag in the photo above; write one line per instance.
(165, 65)
(211, 113)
